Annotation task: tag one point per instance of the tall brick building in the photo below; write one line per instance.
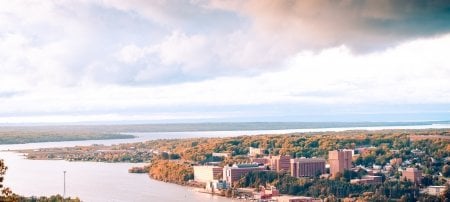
(307, 167)
(280, 163)
(339, 160)
(412, 174)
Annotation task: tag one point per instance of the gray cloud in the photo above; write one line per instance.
(249, 37)
(361, 25)
(66, 42)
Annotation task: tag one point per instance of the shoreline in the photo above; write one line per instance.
(84, 152)
(19, 139)
(132, 135)
(199, 189)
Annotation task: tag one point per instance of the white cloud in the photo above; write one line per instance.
(131, 54)
(331, 77)
(190, 52)
(97, 58)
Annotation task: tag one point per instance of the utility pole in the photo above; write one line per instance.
(64, 195)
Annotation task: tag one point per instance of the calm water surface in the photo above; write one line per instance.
(93, 181)
(172, 135)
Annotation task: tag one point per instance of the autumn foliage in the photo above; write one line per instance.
(171, 171)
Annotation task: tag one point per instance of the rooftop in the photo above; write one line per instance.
(246, 165)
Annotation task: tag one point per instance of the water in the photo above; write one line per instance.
(93, 181)
(145, 136)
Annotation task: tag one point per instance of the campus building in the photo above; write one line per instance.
(252, 151)
(207, 173)
(280, 163)
(412, 174)
(368, 179)
(339, 160)
(233, 173)
(307, 167)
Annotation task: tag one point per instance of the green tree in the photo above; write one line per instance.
(6, 193)
(2, 172)
(446, 171)
(349, 174)
(165, 155)
(427, 180)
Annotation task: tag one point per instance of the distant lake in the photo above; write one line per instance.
(104, 182)
(145, 136)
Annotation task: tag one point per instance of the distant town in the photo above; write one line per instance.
(219, 179)
(387, 165)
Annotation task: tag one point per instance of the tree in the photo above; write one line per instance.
(338, 176)
(349, 174)
(5, 192)
(2, 172)
(446, 171)
(429, 198)
(165, 155)
(331, 198)
(427, 180)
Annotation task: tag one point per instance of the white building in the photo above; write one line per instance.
(207, 173)
(435, 190)
(252, 151)
(225, 155)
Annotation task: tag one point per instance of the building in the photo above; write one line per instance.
(215, 186)
(207, 173)
(252, 151)
(286, 198)
(368, 179)
(360, 150)
(268, 193)
(417, 152)
(261, 161)
(435, 190)
(350, 150)
(388, 168)
(307, 167)
(280, 163)
(233, 173)
(339, 161)
(224, 155)
(412, 174)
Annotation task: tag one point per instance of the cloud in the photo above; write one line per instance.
(140, 43)
(166, 13)
(186, 51)
(332, 77)
(70, 43)
(9, 94)
(265, 33)
(360, 25)
(106, 56)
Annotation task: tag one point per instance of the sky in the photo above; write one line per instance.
(211, 60)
